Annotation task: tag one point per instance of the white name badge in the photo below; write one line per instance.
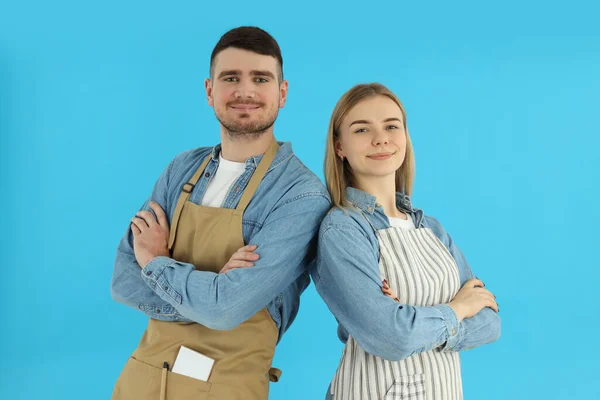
(193, 364)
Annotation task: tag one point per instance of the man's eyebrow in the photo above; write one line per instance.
(262, 73)
(229, 72)
(237, 72)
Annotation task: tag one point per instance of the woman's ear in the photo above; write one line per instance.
(338, 150)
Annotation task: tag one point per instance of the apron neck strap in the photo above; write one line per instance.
(186, 190)
(258, 175)
(189, 186)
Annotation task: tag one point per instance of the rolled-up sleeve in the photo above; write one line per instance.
(346, 276)
(485, 326)
(127, 287)
(286, 245)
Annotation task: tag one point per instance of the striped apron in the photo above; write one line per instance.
(421, 271)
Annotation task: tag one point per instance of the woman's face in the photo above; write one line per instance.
(372, 138)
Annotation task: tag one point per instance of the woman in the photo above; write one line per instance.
(402, 292)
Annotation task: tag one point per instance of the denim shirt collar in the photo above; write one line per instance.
(367, 203)
(283, 153)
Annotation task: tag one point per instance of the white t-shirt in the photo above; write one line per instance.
(406, 224)
(227, 174)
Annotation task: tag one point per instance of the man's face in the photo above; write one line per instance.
(245, 92)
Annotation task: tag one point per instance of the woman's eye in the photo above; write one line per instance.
(360, 130)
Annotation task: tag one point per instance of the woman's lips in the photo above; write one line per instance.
(380, 156)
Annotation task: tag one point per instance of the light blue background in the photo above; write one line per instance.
(502, 102)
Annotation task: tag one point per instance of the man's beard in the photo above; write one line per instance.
(237, 128)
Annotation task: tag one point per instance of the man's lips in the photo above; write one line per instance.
(245, 107)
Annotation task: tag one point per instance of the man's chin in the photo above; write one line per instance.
(241, 131)
(246, 125)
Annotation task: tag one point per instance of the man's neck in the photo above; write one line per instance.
(242, 148)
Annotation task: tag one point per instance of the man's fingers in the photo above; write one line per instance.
(245, 256)
(248, 247)
(135, 230)
(160, 214)
(139, 223)
(250, 256)
(234, 265)
(146, 216)
(238, 264)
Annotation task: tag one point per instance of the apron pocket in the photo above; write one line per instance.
(142, 381)
(407, 387)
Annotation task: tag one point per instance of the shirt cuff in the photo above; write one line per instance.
(452, 326)
(153, 275)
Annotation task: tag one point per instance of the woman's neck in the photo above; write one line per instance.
(384, 190)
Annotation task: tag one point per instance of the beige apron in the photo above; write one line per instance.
(206, 237)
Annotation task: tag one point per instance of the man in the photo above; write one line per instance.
(221, 270)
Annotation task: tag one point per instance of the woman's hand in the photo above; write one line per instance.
(471, 299)
(389, 292)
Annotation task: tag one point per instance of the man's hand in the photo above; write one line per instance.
(241, 259)
(150, 235)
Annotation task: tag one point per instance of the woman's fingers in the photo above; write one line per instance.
(474, 283)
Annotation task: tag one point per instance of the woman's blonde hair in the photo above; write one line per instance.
(338, 174)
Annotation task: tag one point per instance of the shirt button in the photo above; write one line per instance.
(453, 332)
(158, 310)
(148, 273)
(207, 174)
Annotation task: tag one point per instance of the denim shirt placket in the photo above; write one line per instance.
(234, 195)
(202, 185)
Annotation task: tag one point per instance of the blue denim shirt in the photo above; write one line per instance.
(282, 219)
(346, 275)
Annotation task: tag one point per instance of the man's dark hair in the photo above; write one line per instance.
(252, 39)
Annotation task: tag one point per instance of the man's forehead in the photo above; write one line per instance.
(244, 61)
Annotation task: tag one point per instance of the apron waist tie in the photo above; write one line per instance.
(274, 374)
